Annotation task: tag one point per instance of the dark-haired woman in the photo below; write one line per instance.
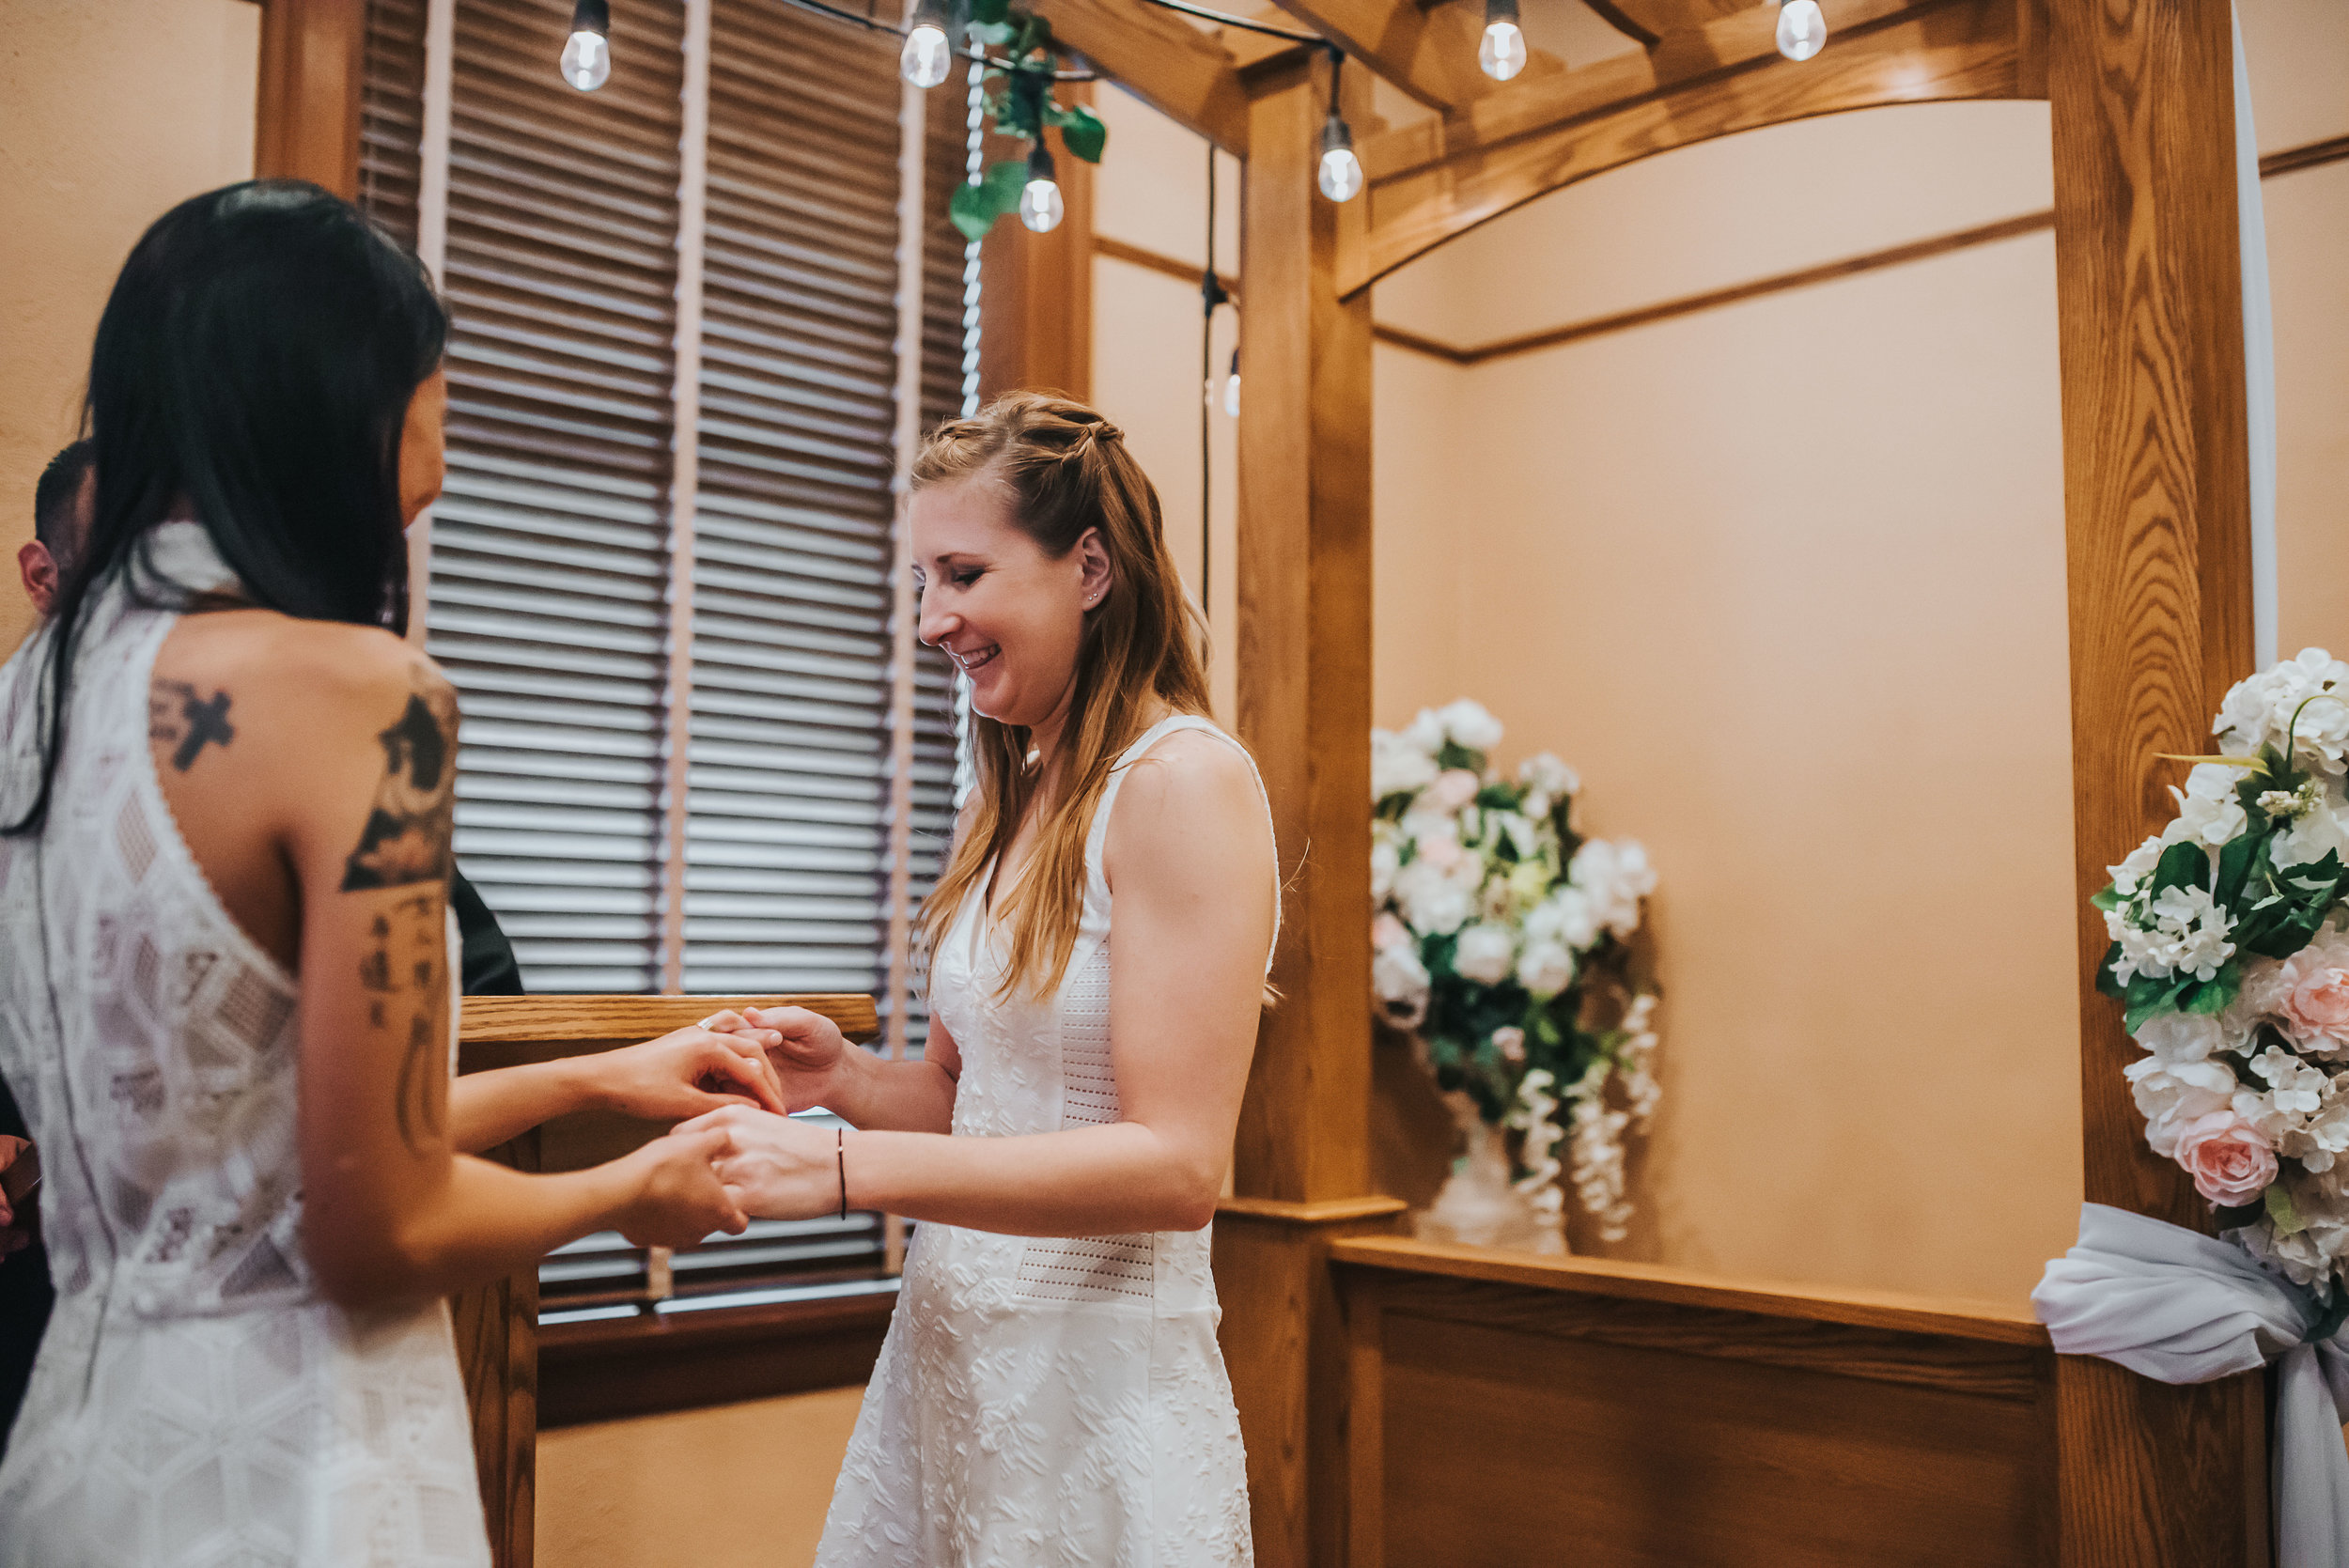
(1050, 1391)
(225, 998)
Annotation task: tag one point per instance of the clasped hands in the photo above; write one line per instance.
(774, 1167)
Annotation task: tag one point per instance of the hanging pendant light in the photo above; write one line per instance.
(1231, 388)
(1502, 53)
(1801, 29)
(1341, 171)
(587, 57)
(930, 50)
(1040, 203)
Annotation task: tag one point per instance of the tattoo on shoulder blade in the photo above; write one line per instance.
(406, 839)
(185, 722)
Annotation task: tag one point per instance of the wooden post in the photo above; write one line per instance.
(1037, 315)
(1301, 1161)
(2157, 521)
(313, 71)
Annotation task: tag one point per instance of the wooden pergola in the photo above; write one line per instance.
(2158, 506)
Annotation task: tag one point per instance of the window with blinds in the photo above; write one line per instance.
(556, 548)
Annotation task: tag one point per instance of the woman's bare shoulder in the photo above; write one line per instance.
(1190, 782)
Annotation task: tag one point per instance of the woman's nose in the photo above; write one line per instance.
(934, 625)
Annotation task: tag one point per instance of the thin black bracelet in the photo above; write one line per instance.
(840, 1152)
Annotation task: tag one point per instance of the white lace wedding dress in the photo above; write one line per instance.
(1043, 1401)
(195, 1402)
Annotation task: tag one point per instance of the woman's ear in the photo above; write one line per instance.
(1093, 566)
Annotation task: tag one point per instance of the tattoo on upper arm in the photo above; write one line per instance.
(406, 839)
(405, 974)
(187, 723)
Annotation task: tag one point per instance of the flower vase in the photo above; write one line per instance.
(1480, 1205)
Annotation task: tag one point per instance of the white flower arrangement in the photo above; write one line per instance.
(2230, 954)
(1496, 930)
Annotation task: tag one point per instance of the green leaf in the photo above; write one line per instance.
(2214, 996)
(1082, 133)
(2181, 865)
(991, 12)
(2107, 899)
(974, 211)
(2235, 865)
(2164, 1002)
(2285, 1217)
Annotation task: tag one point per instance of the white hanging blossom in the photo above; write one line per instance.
(1535, 1115)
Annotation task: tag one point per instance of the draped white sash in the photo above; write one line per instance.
(2177, 1306)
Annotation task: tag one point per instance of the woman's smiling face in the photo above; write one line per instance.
(1010, 616)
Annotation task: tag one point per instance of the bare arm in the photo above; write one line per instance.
(682, 1074)
(392, 1209)
(1192, 867)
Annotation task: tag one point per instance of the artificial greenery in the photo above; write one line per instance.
(1022, 103)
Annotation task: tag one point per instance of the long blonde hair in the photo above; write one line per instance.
(1064, 468)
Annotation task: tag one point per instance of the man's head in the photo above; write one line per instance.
(61, 516)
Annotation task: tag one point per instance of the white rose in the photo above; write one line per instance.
(2262, 709)
(2180, 1037)
(1545, 968)
(1486, 954)
(1397, 767)
(2169, 1097)
(1567, 917)
(1400, 981)
(1509, 1041)
(1434, 903)
(1544, 773)
(1614, 877)
(2321, 832)
(1385, 860)
(1468, 724)
(1426, 732)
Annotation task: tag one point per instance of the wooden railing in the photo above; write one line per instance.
(497, 1334)
(1510, 1409)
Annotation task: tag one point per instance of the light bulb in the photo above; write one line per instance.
(587, 58)
(926, 55)
(1231, 388)
(1341, 171)
(1801, 29)
(1502, 53)
(1039, 203)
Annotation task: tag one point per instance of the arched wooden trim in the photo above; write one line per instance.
(1435, 182)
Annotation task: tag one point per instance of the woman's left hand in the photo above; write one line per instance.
(774, 1167)
(688, 1072)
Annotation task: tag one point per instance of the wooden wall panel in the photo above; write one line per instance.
(313, 65)
(497, 1350)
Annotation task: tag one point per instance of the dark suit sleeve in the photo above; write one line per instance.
(490, 968)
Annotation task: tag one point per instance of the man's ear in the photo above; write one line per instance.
(1093, 561)
(38, 569)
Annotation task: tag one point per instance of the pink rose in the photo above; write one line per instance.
(2316, 1009)
(1440, 850)
(1387, 931)
(1453, 787)
(2230, 1160)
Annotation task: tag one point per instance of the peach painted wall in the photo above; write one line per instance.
(109, 113)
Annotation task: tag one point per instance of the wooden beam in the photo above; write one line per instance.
(1649, 21)
(313, 70)
(1435, 182)
(1302, 1166)
(1166, 62)
(1427, 50)
(1037, 326)
(2156, 501)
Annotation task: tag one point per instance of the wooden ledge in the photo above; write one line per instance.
(505, 1032)
(656, 1361)
(1636, 1281)
(1327, 1211)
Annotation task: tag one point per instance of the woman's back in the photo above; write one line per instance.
(196, 1399)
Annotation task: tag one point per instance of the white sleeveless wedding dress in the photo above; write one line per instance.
(195, 1402)
(1043, 1401)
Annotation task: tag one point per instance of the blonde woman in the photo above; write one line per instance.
(1051, 1391)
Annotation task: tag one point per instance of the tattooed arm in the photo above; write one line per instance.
(392, 1209)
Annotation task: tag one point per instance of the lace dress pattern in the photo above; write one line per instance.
(195, 1401)
(1045, 1402)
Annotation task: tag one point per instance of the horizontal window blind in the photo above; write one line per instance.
(550, 571)
(554, 555)
(786, 847)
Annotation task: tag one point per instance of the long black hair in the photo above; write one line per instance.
(254, 368)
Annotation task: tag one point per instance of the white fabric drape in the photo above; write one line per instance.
(2179, 1307)
(2259, 364)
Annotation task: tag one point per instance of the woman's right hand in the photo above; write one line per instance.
(813, 1058)
(675, 1197)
